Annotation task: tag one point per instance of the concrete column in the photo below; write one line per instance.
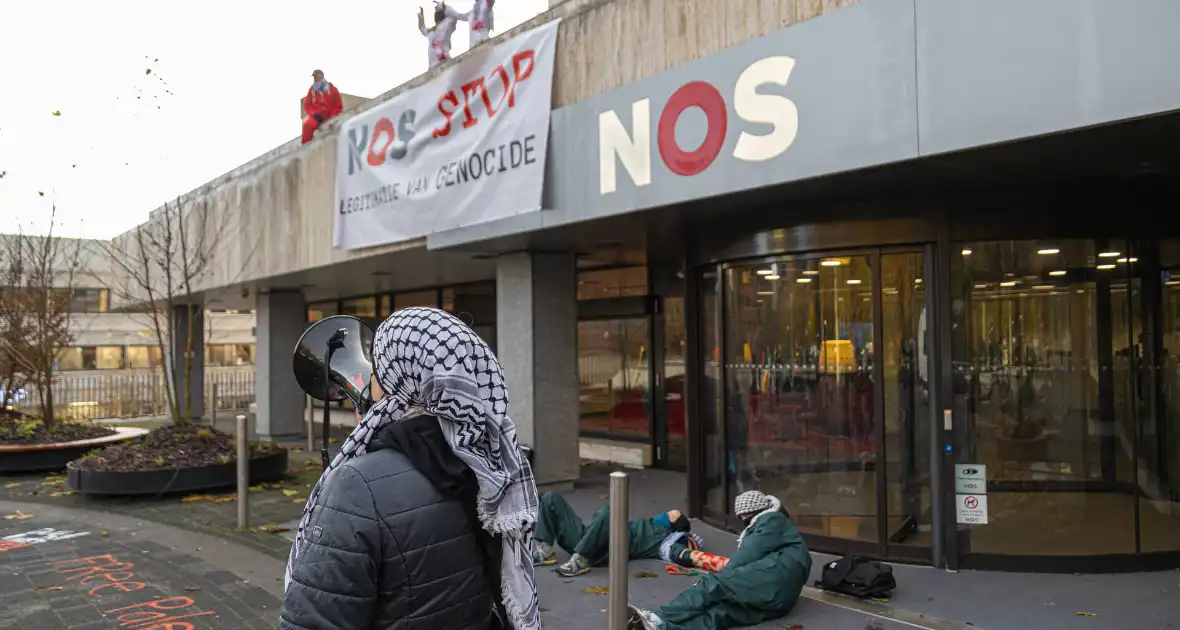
(281, 319)
(537, 339)
(181, 329)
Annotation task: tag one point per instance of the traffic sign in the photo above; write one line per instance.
(970, 479)
(971, 509)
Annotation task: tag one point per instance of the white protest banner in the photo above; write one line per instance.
(465, 148)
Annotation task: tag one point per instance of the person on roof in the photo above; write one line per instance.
(480, 18)
(439, 35)
(761, 582)
(321, 103)
(664, 536)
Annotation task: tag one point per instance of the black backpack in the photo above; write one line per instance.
(859, 577)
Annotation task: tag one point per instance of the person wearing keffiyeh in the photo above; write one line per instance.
(761, 582)
(321, 103)
(426, 515)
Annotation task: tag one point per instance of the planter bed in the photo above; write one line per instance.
(51, 456)
(264, 467)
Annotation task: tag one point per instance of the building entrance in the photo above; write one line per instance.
(815, 389)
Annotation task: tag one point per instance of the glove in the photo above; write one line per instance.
(318, 117)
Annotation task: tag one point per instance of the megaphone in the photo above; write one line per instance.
(333, 361)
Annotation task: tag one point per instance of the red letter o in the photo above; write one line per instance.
(383, 126)
(695, 94)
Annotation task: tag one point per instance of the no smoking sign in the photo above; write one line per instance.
(971, 509)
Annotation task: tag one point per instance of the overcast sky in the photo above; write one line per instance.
(225, 83)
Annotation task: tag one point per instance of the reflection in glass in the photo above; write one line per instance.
(361, 308)
(799, 399)
(1041, 373)
(711, 400)
(615, 396)
(1159, 409)
(599, 284)
(319, 310)
(905, 372)
(674, 350)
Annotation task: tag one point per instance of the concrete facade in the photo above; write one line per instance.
(282, 317)
(537, 318)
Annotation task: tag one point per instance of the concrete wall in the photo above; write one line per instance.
(277, 209)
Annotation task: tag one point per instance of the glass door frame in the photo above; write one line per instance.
(698, 483)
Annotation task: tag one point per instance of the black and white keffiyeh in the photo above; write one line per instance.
(428, 361)
(756, 503)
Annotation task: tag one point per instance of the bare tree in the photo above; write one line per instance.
(39, 271)
(160, 264)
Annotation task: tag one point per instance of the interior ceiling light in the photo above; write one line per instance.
(1110, 254)
(1044, 286)
(766, 293)
(1105, 267)
(917, 281)
(830, 262)
(773, 276)
(981, 286)
(966, 251)
(803, 280)
(1010, 283)
(811, 272)
(853, 281)
(764, 272)
(1059, 272)
(1048, 252)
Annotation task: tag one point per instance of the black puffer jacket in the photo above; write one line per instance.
(394, 543)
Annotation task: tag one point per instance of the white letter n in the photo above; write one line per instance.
(634, 153)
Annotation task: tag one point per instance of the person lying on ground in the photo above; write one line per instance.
(664, 536)
(761, 582)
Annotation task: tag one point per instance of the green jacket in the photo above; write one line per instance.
(774, 547)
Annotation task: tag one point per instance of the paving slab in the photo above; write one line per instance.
(70, 568)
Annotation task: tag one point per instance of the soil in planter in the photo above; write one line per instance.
(28, 430)
(168, 448)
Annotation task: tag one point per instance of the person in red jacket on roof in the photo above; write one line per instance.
(322, 102)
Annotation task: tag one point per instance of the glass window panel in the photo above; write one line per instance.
(675, 342)
(800, 400)
(615, 396)
(612, 283)
(141, 357)
(417, 298)
(70, 359)
(1159, 502)
(1042, 364)
(360, 307)
(320, 310)
(109, 357)
(712, 402)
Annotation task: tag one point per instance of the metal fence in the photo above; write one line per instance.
(135, 393)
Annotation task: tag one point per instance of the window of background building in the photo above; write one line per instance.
(91, 358)
(386, 306)
(319, 310)
(416, 298)
(229, 355)
(365, 307)
(139, 357)
(89, 301)
(601, 284)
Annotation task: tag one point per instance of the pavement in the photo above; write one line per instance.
(186, 557)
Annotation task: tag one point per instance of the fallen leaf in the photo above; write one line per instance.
(225, 499)
(13, 485)
(543, 609)
(16, 517)
(643, 575)
(270, 486)
(332, 440)
(190, 589)
(105, 534)
(63, 493)
(255, 488)
(57, 112)
(300, 501)
(197, 497)
(273, 529)
(597, 590)
(795, 626)
(297, 449)
(290, 493)
(47, 588)
(1087, 614)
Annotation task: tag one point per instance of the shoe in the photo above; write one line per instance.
(640, 619)
(576, 565)
(544, 555)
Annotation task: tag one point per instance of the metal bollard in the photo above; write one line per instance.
(213, 407)
(619, 551)
(310, 425)
(243, 473)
